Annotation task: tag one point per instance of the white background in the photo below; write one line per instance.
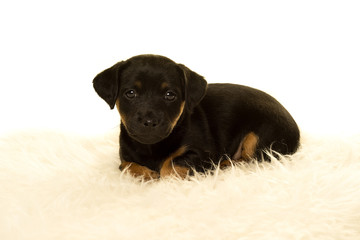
(304, 53)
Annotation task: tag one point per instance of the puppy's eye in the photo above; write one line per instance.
(130, 94)
(170, 96)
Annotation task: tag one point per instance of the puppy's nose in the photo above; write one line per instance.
(151, 122)
(148, 121)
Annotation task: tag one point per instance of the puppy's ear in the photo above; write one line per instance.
(195, 87)
(107, 83)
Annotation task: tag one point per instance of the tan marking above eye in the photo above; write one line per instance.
(138, 84)
(164, 85)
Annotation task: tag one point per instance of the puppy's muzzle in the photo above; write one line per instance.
(148, 120)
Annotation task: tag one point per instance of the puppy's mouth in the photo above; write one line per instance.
(147, 138)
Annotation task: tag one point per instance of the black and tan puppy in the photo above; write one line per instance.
(173, 122)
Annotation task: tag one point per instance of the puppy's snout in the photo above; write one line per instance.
(148, 120)
(151, 122)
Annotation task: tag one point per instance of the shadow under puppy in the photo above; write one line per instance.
(173, 122)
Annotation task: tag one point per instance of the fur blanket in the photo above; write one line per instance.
(62, 186)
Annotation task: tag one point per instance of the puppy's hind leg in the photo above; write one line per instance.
(247, 148)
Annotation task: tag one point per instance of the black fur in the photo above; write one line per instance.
(212, 122)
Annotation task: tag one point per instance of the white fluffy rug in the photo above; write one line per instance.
(61, 186)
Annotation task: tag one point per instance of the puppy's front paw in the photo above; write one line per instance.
(137, 170)
(226, 163)
(150, 174)
(171, 169)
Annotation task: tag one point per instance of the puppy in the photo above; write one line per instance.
(173, 122)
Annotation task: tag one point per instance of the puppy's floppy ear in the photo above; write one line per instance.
(195, 87)
(107, 83)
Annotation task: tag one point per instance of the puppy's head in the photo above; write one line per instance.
(151, 94)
